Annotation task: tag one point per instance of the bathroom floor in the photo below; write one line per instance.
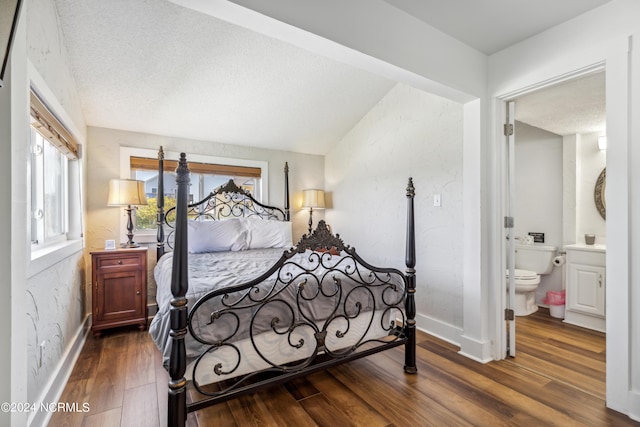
(566, 353)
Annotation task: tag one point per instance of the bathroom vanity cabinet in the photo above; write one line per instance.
(586, 286)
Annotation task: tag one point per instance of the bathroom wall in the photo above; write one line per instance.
(539, 192)
(589, 163)
(555, 182)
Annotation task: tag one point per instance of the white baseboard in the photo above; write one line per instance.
(55, 386)
(439, 329)
(480, 351)
(634, 405)
(473, 349)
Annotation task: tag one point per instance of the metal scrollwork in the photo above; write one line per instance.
(321, 238)
(226, 201)
(306, 305)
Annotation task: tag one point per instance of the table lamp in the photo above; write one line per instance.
(313, 199)
(127, 192)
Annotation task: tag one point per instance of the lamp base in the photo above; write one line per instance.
(129, 245)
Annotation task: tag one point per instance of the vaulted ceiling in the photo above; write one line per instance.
(155, 67)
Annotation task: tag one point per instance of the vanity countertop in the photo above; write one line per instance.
(584, 247)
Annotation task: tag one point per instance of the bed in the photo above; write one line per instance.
(247, 315)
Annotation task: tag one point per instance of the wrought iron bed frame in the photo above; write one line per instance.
(321, 244)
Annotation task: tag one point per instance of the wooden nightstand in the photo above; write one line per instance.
(119, 288)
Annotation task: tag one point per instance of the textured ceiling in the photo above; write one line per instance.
(155, 67)
(492, 25)
(576, 106)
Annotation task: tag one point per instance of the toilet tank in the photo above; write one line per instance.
(538, 258)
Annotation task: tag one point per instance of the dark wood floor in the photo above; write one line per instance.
(557, 378)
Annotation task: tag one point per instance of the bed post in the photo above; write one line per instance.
(160, 206)
(286, 192)
(410, 304)
(179, 284)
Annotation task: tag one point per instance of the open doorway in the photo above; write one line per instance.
(558, 168)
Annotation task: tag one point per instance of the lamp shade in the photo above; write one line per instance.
(313, 199)
(124, 192)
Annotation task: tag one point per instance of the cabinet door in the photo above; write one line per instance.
(120, 296)
(586, 289)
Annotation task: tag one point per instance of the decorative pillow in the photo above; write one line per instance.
(217, 236)
(268, 234)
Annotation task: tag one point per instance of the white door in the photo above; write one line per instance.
(509, 312)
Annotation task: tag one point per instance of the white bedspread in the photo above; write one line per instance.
(207, 271)
(317, 291)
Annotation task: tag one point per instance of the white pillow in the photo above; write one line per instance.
(217, 236)
(268, 233)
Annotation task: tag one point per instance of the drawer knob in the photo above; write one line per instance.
(119, 261)
(137, 292)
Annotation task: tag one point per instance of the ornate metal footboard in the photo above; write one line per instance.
(320, 305)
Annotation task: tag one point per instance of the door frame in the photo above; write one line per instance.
(509, 217)
(502, 156)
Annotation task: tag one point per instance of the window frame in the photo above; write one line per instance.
(42, 258)
(150, 236)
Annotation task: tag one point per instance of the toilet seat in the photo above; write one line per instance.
(525, 280)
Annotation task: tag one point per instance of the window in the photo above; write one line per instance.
(51, 147)
(204, 178)
(49, 177)
(207, 173)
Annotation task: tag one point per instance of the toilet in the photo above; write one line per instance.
(531, 262)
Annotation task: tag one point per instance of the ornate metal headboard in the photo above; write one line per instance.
(226, 201)
(229, 201)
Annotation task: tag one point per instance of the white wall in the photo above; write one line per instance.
(597, 37)
(591, 161)
(539, 192)
(5, 244)
(409, 133)
(49, 301)
(103, 164)
(48, 54)
(13, 107)
(538, 180)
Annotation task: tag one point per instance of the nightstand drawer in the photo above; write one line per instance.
(117, 261)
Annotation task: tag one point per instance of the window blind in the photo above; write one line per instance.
(206, 168)
(45, 122)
